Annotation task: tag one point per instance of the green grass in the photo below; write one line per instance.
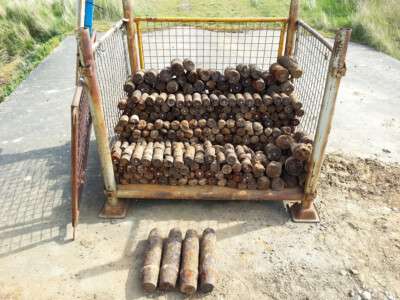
(374, 22)
(30, 29)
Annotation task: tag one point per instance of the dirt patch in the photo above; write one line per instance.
(369, 178)
(354, 253)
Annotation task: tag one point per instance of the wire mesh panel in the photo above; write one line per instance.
(81, 129)
(112, 70)
(211, 44)
(313, 54)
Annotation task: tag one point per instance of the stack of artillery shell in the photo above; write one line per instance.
(191, 260)
(183, 77)
(274, 109)
(188, 126)
(281, 163)
(237, 132)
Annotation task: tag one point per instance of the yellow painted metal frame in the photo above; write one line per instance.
(139, 20)
(205, 20)
(281, 48)
(140, 43)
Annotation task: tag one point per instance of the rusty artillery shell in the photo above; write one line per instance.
(171, 260)
(208, 272)
(152, 260)
(190, 263)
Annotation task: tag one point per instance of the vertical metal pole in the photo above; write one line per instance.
(336, 71)
(89, 10)
(130, 26)
(80, 16)
(97, 113)
(292, 27)
(140, 42)
(282, 39)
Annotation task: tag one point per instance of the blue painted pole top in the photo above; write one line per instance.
(89, 9)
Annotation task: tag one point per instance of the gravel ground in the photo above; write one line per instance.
(354, 253)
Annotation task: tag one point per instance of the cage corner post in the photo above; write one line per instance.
(131, 32)
(292, 27)
(113, 208)
(305, 211)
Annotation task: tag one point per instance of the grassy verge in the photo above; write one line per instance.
(374, 22)
(30, 29)
(20, 67)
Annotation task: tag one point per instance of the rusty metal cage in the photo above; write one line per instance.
(211, 42)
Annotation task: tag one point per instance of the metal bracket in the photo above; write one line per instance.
(110, 194)
(117, 211)
(299, 214)
(85, 70)
(340, 72)
(310, 196)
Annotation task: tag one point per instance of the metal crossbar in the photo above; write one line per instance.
(211, 43)
(313, 53)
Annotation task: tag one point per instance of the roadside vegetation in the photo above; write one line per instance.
(30, 29)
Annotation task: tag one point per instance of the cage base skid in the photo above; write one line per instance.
(298, 214)
(117, 211)
(207, 192)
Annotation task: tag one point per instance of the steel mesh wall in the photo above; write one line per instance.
(313, 55)
(81, 130)
(210, 44)
(213, 45)
(84, 131)
(112, 70)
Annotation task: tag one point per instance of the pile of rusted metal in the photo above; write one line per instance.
(173, 260)
(188, 126)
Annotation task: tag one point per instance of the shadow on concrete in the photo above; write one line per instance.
(236, 218)
(35, 197)
(35, 209)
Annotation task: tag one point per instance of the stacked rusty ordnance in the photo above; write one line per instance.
(182, 92)
(218, 132)
(188, 126)
(281, 163)
(188, 263)
(275, 110)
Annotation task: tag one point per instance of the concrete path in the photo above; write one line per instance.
(35, 227)
(367, 121)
